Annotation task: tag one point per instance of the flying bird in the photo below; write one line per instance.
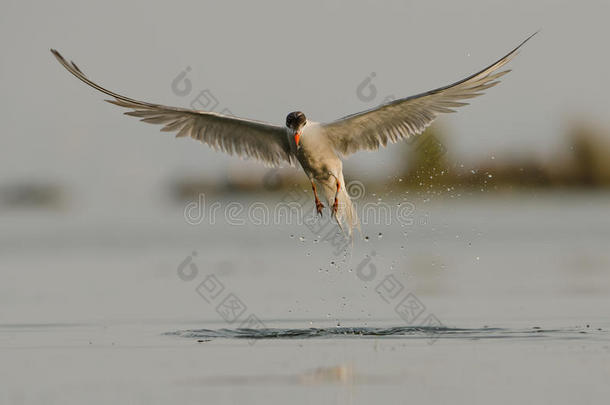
(317, 147)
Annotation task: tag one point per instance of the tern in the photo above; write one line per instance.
(317, 147)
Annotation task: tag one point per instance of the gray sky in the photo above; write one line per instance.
(264, 59)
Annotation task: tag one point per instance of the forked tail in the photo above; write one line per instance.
(346, 217)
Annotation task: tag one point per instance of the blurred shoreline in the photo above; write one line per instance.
(429, 169)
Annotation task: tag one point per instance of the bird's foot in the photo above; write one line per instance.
(319, 207)
(335, 207)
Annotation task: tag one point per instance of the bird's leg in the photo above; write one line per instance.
(319, 205)
(336, 203)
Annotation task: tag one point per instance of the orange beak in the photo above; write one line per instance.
(297, 136)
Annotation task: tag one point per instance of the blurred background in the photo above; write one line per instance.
(546, 124)
(509, 224)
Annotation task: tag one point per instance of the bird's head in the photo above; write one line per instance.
(295, 121)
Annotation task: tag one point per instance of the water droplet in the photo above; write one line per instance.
(380, 235)
(366, 238)
(302, 238)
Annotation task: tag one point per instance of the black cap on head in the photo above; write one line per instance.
(295, 120)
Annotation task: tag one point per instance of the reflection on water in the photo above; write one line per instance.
(343, 374)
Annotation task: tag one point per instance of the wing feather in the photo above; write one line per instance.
(245, 138)
(410, 116)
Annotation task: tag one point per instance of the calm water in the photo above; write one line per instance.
(474, 299)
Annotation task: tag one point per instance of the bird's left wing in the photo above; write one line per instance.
(407, 117)
(246, 138)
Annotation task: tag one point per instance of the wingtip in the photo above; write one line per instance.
(528, 38)
(76, 67)
(57, 55)
(515, 51)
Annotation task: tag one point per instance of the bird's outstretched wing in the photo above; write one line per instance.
(245, 138)
(407, 117)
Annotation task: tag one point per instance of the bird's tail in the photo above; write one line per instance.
(347, 216)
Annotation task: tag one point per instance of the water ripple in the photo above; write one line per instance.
(416, 332)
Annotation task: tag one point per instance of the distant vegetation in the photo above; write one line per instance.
(585, 164)
(31, 195)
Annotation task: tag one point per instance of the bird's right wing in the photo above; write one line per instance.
(245, 138)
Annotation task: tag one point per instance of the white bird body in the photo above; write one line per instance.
(323, 166)
(318, 147)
